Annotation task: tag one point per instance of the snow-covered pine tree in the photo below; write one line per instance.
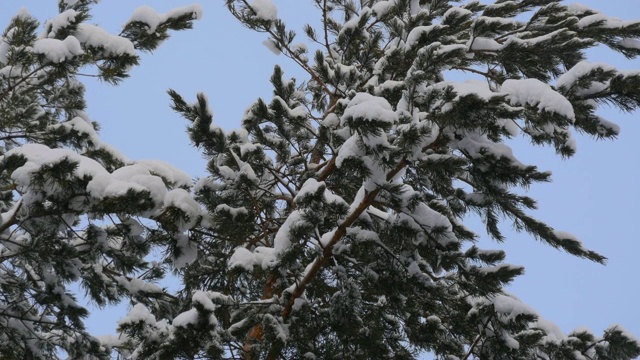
(334, 226)
(70, 204)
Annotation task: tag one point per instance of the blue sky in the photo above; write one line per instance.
(594, 195)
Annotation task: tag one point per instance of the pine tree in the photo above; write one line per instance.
(72, 207)
(333, 226)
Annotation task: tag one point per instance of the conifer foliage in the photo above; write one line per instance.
(70, 204)
(334, 226)
(330, 225)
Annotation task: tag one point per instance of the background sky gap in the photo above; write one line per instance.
(594, 195)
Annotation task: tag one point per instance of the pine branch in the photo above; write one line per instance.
(485, 74)
(326, 31)
(477, 339)
(292, 54)
(327, 254)
(26, 77)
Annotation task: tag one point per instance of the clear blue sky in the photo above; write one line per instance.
(594, 195)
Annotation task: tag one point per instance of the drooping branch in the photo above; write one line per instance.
(289, 52)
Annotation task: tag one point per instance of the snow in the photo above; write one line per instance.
(203, 299)
(414, 269)
(300, 48)
(508, 306)
(206, 183)
(131, 177)
(134, 286)
(310, 187)
(39, 155)
(152, 19)
(624, 332)
(417, 32)
(70, 2)
(331, 120)
(57, 51)
(326, 238)
(23, 13)
(111, 341)
(484, 44)
(170, 173)
(247, 171)
(183, 200)
(510, 126)
(578, 8)
(242, 258)
(60, 21)
(415, 7)
(579, 70)
(188, 251)
(231, 210)
(271, 45)
(264, 256)
(349, 149)
(137, 177)
(424, 218)
(113, 45)
(139, 313)
(186, 318)
(477, 145)
(553, 333)
(226, 172)
(467, 88)
(135, 228)
(366, 107)
(82, 126)
(536, 93)
(630, 43)
(489, 20)
(281, 330)
(298, 304)
(568, 237)
(456, 11)
(4, 45)
(382, 8)
(349, 25)
(604, 126)
(265, 10)
(282, 240)
(390, 85)
(363, 235)
(510, 341)
(608, 22)
(332, 198)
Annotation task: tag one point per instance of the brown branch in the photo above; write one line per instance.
(331, 166)
(262, 236)
(476, 340)
(339, 233)
(26, 77)
(327, 252)
(318, 149)
(257, 331)
(485, 74)
(281, 181)
(326, 32)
